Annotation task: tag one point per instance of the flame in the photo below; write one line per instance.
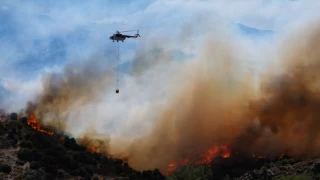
(205, 158)
(32, 121)
(213, 152)
(259, 157)
(92, 149)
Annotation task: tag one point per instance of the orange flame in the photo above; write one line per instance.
(205, 158)
(260, 157)
(32, 121)
(92, 149)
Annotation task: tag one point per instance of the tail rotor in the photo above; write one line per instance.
(138, 35)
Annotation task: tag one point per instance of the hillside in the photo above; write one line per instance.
(285, 169)
(26, 153)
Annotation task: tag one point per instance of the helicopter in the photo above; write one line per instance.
(121, 37)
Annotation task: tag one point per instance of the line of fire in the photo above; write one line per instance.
(206, 159)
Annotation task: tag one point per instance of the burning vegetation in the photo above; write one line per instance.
(35, 124)
(203, 159)
(223, 152)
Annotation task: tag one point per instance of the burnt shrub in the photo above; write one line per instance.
(5, 168)
(26, 144)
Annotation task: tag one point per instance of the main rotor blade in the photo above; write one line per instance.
(129, 30)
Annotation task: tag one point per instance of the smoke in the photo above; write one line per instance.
(167, 109)
(207, 107)
(288, 106)
(78, 85)
(218, 103)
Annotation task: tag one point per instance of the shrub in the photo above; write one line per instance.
(24, 120)
(19, 126)
(36, 155)
(50, 160)
(44, 139)
(133, 175)
(5, 168)
(29, 135)
(68, 162)
(126, 168)
(25, 154)
(191, 172)
(83, 157)
(83, 172)
(89, 169)
(39, 140)
(287, 161)
(304, 176)
(72, 144)
(13, 116)
(35, 165)
(20, 163)
(51, 169)
(156, 174)
(26, 144)
(97, 156)
(55, 150)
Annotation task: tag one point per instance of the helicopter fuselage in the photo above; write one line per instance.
(117, 37)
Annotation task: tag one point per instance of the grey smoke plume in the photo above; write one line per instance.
(180, 109)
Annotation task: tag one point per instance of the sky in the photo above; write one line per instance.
(37, 37)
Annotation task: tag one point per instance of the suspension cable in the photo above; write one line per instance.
(118, 66)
